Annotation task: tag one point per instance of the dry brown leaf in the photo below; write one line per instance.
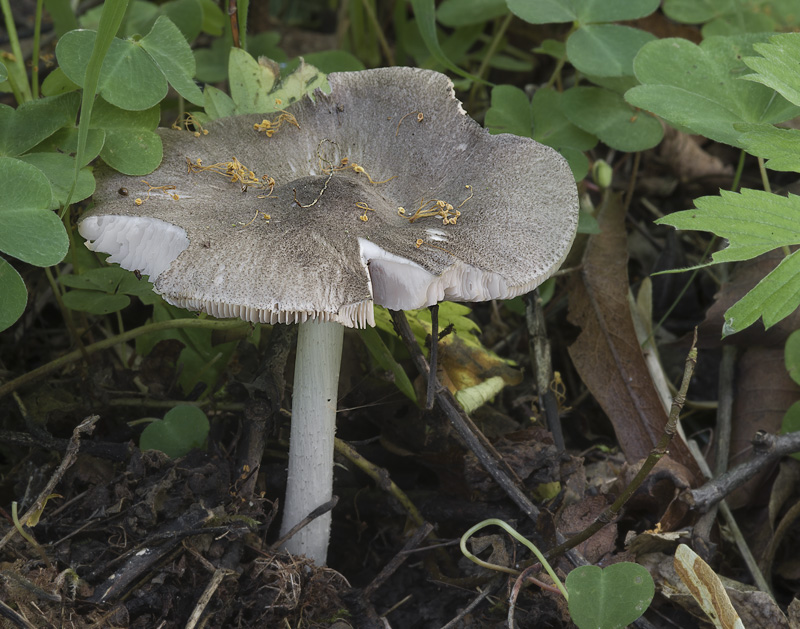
(576, 517)
(687, 159)
(606, 354)
(707, 589)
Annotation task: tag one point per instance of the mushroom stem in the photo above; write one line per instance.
(310, 482)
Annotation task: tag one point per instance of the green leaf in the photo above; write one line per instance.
(774, 298)
(213, 18)
(609, 598)
(425, 14)
(792, 356)
(791, 422)
(15, 296)
(606, 49)
(217, 104)
(605, 114)
(583, 11)
(699, 88)
(131, 146)
(65, 140)
(255, 85)
(57, 83)
(753, 222)
(334, 61)
(777, 66)
(381, 354)
(168, 48)
(251, 81)
(28, 230)
(106, 279)
(129, 78)
(60, 170)
(729, 17)
(542, 119)
(32, 122)
(95, 302)
(454, 13)
(182, 429)
(781, 147)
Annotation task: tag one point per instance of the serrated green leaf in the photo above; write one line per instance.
(777, 66)
(774, 298)
(606, 50)
(172, 54)
(753, 222)
(182, 429)
(611, 597)
(454, 13)
(780, 147)
(15, 295)
(28, 230)
(381, 354)
(699, 88)
(60, 171)
(605, 114)
(95, 302)
(23, 128)
(129, 78)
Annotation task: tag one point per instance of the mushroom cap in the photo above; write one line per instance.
(302, 249)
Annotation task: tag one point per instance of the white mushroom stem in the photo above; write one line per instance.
(310, 483)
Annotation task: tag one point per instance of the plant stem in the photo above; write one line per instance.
(496, 39)
(58, 363)
(385, 48)
(19, 61)
(314, 400)
(654, 457)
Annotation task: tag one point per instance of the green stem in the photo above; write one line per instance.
(482, 70)
(58, 363)
(37, 33)
(110, 21)
(19, 61)
(511, 531)
(387, 50)
(764, 176)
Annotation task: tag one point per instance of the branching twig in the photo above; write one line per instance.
(654, 457)
(766, 449)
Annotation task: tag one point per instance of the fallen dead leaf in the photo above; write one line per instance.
(607, 354)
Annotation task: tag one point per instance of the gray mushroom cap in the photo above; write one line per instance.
(207, 244)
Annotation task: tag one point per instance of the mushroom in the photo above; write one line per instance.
(381, 192)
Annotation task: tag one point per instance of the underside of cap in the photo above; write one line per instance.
(383, 192)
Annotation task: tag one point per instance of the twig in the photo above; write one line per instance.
(733, 527)
(434, 356)
(65, 360)
(655, 455)
(475, 602)
(70, 454)
(381, 478)
(453, 412)
(390, 568)
(542, 365)
(320, 510)
(205, 597)
(766, 449)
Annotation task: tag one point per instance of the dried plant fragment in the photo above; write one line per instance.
(235, 172)
(270, 127)
(436, 207)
